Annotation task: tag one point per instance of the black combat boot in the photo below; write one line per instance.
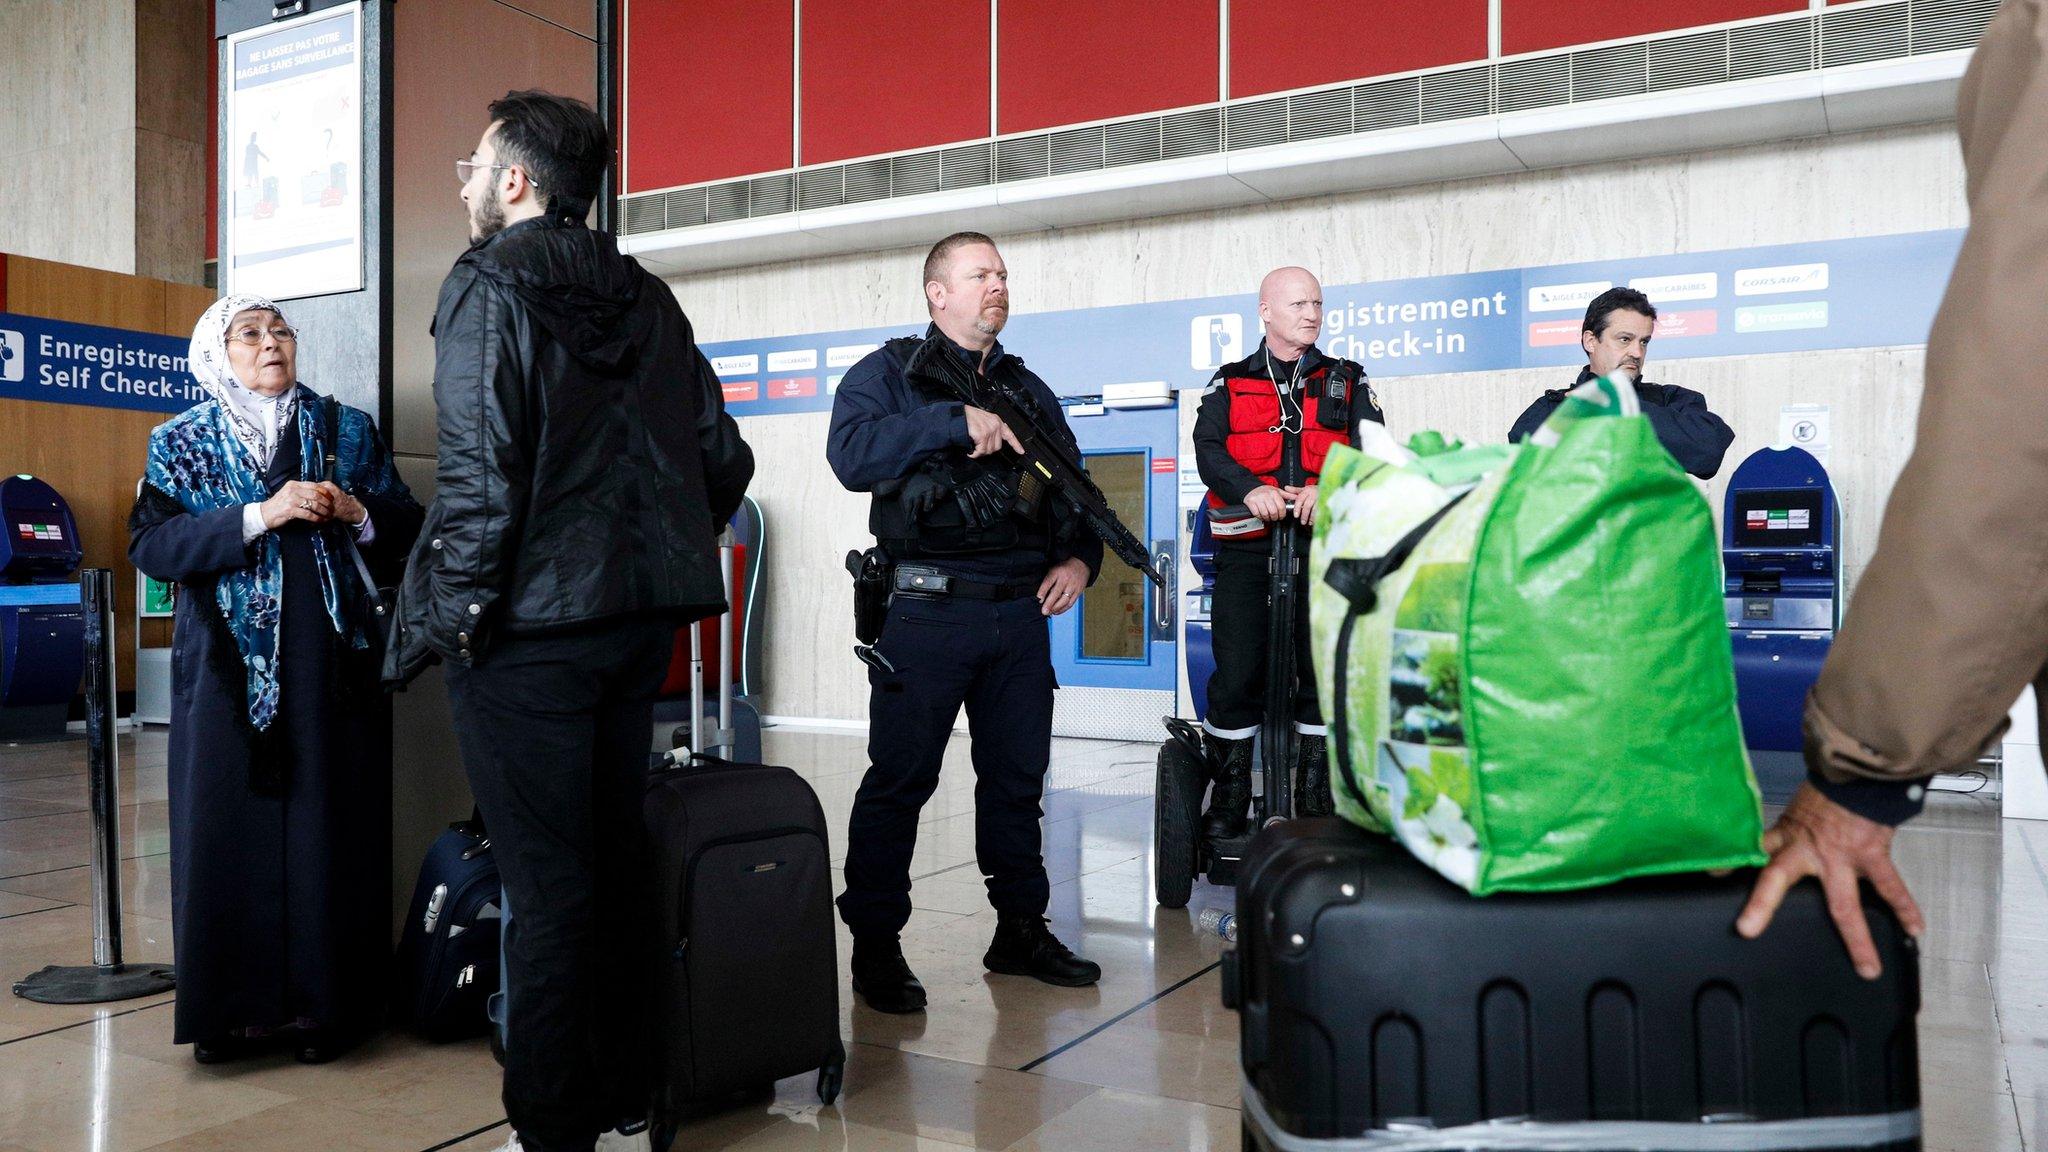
(1024, 946)
(1312, 779)
(882, 977)
(1232, 796)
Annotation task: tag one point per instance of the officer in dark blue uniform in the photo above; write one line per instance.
(982, 558)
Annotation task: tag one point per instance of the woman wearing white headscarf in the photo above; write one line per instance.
(280, 837)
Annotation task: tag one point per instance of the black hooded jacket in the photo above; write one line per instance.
(586, 462)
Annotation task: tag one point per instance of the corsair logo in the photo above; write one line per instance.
(13, 361)
(1214, 341)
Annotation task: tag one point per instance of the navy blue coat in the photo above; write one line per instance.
(1687, 428)
(281, 904)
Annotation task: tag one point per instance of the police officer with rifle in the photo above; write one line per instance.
(985, 526)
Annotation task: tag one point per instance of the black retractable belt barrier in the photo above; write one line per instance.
(106, 978)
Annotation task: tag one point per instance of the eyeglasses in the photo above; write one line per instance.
(464, 169)
(253, 336)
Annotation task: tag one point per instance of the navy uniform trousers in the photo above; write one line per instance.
(995, 658)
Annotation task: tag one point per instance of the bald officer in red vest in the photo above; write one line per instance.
(1264, 427)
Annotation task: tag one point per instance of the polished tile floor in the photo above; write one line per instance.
(1147, 1060)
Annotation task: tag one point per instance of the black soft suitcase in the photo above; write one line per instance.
(1384, 1008)
(748, 988)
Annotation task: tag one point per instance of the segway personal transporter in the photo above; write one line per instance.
(1180, 851)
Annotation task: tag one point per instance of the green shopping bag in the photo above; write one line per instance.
(1523, 647)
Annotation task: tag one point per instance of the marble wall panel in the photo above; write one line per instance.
(67, 72)
(174, 51)
(170, 207)
(73, 203)
(1882, 182)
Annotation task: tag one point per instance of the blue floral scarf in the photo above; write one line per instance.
(196, 459)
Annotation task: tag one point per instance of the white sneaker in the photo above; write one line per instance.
(512, 1144)
(614, 1142)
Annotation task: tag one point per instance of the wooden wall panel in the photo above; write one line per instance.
(94, 456)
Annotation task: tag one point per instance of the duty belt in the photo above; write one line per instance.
(930, 583)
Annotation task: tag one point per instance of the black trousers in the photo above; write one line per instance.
(996, 659)
(555, 733)
(1239, 615)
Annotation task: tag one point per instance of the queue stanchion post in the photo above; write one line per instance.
(108, 977)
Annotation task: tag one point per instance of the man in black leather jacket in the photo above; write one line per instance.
(586, 464)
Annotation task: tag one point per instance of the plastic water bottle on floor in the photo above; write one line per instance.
(1220, 921)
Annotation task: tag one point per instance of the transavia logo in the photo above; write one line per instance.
(13, 361)
(1214, 341)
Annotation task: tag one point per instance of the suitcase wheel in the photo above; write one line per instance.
(830, 1077)
(1177, 800)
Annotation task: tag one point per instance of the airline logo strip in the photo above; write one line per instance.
(1858, 293)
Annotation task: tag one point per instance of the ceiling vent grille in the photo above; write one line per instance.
(1131, 142)
(1756, 50)
(1197, 132)
(728, 203)
(1023, 158)
(820, 188)
(771, 195)
(1256, 124)
(1387, 104)
(1605, 73)
(1456, 95)
(1860, 35)
(1535, 83)
(1684, 61)
(914, 175)
(968, 166)
(688, 207)
(1946, 25)
(867, 180)
(1077, 150)
(1312, 115)
(645, 214)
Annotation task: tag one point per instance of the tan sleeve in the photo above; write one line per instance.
(1950, 621)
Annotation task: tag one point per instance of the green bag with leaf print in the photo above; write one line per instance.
(1530, 674)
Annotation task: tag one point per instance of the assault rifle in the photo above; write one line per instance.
(1045, 455)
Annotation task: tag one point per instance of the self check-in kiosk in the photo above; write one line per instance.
(42, 628)
(1781, 557)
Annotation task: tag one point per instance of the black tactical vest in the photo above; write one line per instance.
(955, 505)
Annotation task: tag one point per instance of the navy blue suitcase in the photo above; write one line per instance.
(447, 962)
(1384, 1008)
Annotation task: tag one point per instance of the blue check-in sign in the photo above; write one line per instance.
(62, 363)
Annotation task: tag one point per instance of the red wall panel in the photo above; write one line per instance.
(889, 75)
(1069, 61)
(1536, 25)
(1277, 45)
(708, 89)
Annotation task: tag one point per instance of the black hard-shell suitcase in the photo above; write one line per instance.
(447, 962)
(748, 988)
(1384, 1008)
